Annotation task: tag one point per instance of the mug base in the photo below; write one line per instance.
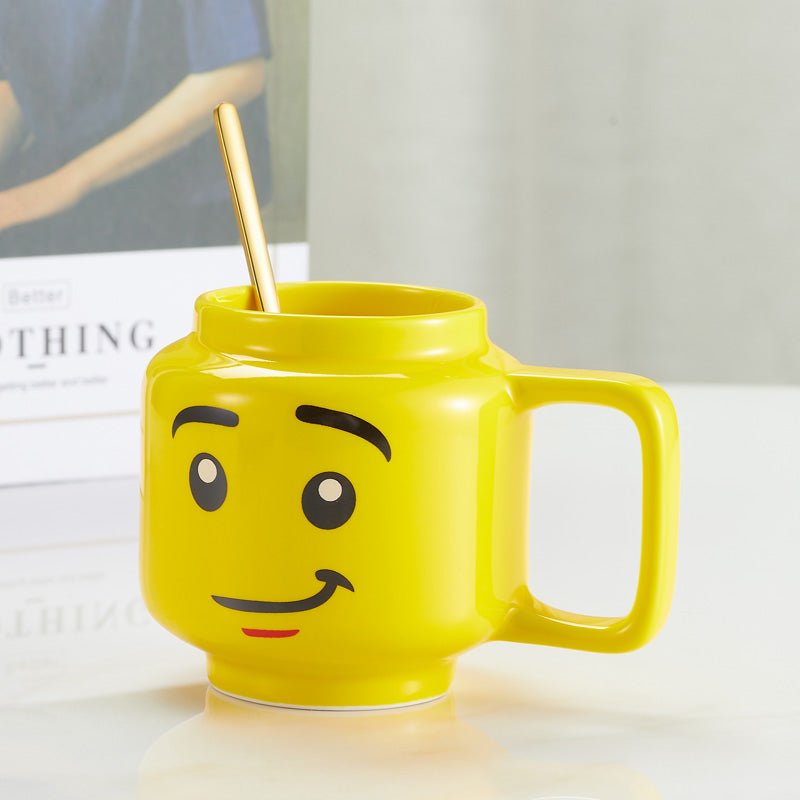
(324, 692)
(295, 707)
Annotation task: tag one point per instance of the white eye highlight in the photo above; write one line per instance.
(207, 471)
(330, 489)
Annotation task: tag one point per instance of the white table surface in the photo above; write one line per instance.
(96, 701)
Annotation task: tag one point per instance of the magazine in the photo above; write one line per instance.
(114, 205)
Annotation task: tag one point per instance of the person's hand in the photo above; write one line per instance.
(41, 198)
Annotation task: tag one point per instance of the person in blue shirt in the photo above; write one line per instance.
(106, 131)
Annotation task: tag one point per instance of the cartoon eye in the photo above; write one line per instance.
(328, 500)
(207, 481)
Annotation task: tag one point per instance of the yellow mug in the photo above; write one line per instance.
(335, 498)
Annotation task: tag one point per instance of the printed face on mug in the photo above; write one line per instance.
(335, 497)
(326, 503)
(286, 520)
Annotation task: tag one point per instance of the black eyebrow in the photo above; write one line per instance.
(348, 423)
(210, 414)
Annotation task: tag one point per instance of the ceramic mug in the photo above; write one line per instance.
(335, 498)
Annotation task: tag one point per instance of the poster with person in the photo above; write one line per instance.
(114, 205)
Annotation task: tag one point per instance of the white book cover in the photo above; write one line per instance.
(114, 206)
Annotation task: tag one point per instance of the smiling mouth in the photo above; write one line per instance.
(329, 577)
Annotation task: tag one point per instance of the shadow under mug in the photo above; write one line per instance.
(335, 498)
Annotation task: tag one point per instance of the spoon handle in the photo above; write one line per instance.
(245, 205)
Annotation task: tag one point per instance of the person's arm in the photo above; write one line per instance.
(12, 127)
(177, 119)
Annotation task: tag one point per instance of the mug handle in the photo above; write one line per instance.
(651, 410)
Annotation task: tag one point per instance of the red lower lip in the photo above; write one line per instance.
(265, 634)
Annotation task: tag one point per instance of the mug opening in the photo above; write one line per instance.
(344, 299)
(324, 320)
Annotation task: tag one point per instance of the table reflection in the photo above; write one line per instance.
(244, 750)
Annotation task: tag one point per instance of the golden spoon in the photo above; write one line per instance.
(245, 205)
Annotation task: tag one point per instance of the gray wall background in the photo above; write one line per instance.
(617, 179)
(286, 93)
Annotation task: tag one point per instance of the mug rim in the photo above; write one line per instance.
(221, 299)
(444, 325)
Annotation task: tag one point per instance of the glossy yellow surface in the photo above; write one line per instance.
(432, 556)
